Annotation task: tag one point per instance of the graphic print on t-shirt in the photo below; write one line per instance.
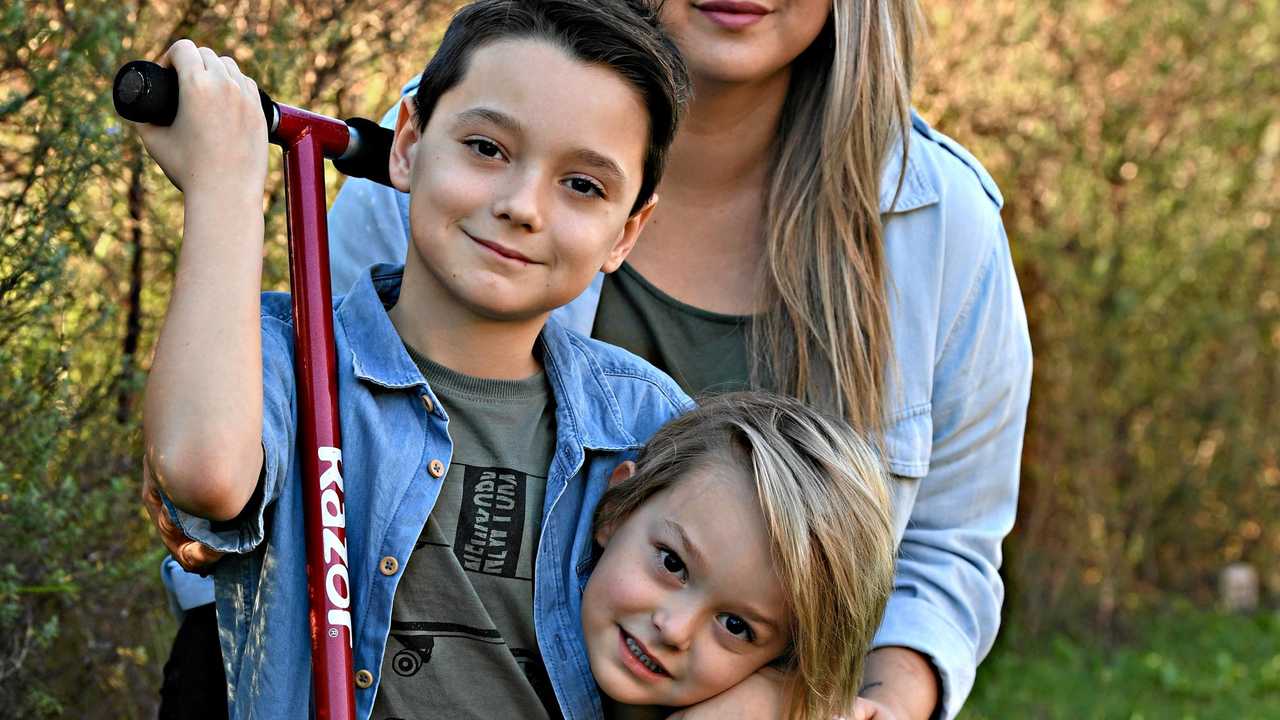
(491, 521)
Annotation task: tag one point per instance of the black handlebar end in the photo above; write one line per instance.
(146, 92)
(370, 159)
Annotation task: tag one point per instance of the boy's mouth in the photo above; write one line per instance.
(501, 250)
(638, 652)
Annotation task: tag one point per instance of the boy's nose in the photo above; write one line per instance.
(675, 625)
(518, 202)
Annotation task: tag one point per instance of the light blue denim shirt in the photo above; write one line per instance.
(607, 403)
(958, 396)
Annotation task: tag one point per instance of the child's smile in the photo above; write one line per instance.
(685, 601)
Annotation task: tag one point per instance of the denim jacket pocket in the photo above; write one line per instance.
(908, 441)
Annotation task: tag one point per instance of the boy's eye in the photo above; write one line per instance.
(672, 563)
(485, 148)
(737, 627)
(583, 186)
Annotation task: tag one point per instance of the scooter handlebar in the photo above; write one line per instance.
(145, 92)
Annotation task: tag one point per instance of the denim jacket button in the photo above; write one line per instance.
(364, 679)
(426, 403)
(436, 468)
(389, 565)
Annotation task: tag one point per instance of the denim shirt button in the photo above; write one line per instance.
(389, 565)
(426, 403)
(364, 679)
(436, 468)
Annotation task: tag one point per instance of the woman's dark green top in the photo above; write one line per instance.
(701, 350)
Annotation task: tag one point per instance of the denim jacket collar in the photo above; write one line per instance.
(596, 417)
(363, 314)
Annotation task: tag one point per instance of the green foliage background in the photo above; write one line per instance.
(1138, 146)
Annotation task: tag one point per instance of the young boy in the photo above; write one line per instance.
(477, 436)
(751, 531)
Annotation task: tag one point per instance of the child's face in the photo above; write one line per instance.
(523, 180)
(685, 602)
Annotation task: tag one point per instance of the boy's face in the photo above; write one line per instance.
(685, 602)
(522, 182)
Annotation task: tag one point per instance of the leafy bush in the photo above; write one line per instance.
(1138, 145)
(88, 237)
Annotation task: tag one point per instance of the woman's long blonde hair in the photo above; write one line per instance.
(825, 338)
(824, 495)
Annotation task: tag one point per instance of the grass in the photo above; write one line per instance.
(1183, 665)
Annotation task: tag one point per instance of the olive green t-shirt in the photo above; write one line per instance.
(701, 350)
(462, 642)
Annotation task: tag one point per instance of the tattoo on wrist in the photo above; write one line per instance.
(868, 686)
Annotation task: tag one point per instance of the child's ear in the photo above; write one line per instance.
(400, 167)
(630, 232)
(620, 474)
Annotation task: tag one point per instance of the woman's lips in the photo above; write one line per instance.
(732, 14)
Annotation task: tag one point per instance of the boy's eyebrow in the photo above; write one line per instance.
(690, 549)
(489, 115)
(603, 165)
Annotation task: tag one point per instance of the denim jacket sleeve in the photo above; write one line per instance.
(963, 347)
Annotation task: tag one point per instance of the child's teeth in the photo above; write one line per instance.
(643, 658)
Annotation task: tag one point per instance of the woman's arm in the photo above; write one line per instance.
(948, 592)
(203, 409)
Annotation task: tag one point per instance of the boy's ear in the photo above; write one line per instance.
(620, 474)
(400, 167)
(627, 238)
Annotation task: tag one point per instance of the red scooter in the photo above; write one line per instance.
(148, 93)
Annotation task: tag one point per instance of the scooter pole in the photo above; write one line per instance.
(146, 92)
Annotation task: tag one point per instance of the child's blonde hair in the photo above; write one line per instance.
(825, 498)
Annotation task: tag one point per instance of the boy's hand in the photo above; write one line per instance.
(762, 696)
(191, 555)
(218, 141)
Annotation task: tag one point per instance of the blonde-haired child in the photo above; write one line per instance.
(751, 531)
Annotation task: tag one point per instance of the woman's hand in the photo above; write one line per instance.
(871, 710)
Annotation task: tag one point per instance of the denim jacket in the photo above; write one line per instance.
(607, 403)
(958, 396)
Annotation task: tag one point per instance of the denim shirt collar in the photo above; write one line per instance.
(596, 417)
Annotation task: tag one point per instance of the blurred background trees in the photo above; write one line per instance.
(1138, 146)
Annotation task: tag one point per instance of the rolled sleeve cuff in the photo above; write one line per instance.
(915, 624)
(238, 536)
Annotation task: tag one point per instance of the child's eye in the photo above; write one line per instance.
(584, 186)
(672, 563)
(737, 626)
(483, 147)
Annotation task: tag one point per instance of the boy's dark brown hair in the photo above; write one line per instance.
(622, 35)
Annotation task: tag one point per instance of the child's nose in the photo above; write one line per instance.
(675, 625)
(518, 202)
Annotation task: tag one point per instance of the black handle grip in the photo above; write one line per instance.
(145, 92)
(148, 93)
(371, 154)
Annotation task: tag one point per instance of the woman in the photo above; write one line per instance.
(815, 237)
